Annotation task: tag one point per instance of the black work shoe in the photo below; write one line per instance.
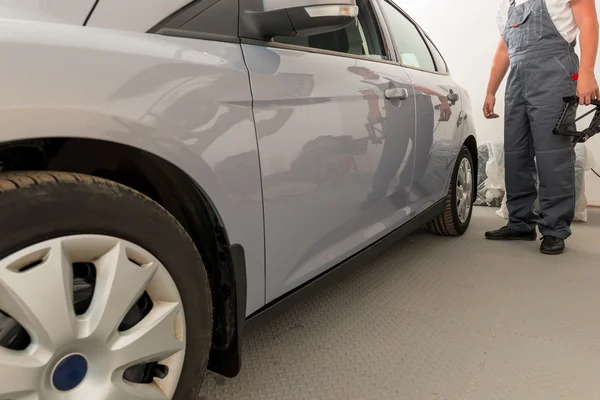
(506, 233)
(552, 245)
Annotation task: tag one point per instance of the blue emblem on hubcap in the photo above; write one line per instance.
(70, 372)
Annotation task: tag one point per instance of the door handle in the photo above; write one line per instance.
(396, 93)
(453, 97)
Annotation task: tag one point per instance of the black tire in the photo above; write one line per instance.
(448, 222)
(39, 206)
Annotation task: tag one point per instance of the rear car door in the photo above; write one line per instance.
(335, 153)
(439, 108)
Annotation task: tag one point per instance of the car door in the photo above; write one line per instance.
(335, 152)
(439, 108)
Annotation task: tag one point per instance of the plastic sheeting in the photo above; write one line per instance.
(490, 189)
(492, 192)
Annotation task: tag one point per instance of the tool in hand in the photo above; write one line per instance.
(567, 127)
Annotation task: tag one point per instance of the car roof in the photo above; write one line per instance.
(129, 15)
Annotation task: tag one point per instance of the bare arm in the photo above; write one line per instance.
(500, 66)
(587, 20)
(445, 107)
(372, 98)
(426, 90)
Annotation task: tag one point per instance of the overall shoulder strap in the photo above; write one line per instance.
(512, 3)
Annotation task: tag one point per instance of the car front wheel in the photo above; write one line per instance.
(103, 296)
(455, 219)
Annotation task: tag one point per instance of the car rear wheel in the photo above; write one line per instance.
(102, 293)
(455, 219)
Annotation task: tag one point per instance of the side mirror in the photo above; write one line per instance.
(265, 19)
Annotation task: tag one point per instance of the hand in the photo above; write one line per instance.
(587, 89)
(445, 110)
(488, 107)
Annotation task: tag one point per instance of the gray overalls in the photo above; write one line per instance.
(543, 68)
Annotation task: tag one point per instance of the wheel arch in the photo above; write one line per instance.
(471, 144)
(178, 193)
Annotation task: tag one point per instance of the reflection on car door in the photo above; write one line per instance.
(439, 109)
(336, 155)
(437, 121)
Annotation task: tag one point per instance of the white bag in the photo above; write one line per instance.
(490, 191)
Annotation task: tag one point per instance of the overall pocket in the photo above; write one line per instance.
(517, 31)
(535, 25)
(569, 64)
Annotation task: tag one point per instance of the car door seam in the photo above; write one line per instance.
(262, 192)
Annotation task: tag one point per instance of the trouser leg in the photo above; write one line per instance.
(555, 155)
(518, 157)
(394, 151)
(425, 131)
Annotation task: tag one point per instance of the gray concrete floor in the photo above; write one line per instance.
(436, 318)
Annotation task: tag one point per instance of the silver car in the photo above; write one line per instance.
(170, 168)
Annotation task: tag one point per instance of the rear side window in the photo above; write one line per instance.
(440, 64)
(411, 48)
(361, 38)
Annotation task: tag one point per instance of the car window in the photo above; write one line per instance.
(440, 64)
(360, 38)
(412, 50)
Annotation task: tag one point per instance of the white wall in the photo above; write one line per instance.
(467, 36)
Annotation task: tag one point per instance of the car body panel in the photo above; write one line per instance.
(468, 122)
(133, 15)
(146, 91)
(318, 161)
(189, 101)
(438, 140)
(59, 11)
(435, 137)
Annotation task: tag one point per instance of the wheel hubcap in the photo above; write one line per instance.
(464, 190)
(118, 332)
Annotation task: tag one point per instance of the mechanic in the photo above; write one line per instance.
(538, 44)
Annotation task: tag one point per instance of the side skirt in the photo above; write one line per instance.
(367, 255)
(228, 361)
